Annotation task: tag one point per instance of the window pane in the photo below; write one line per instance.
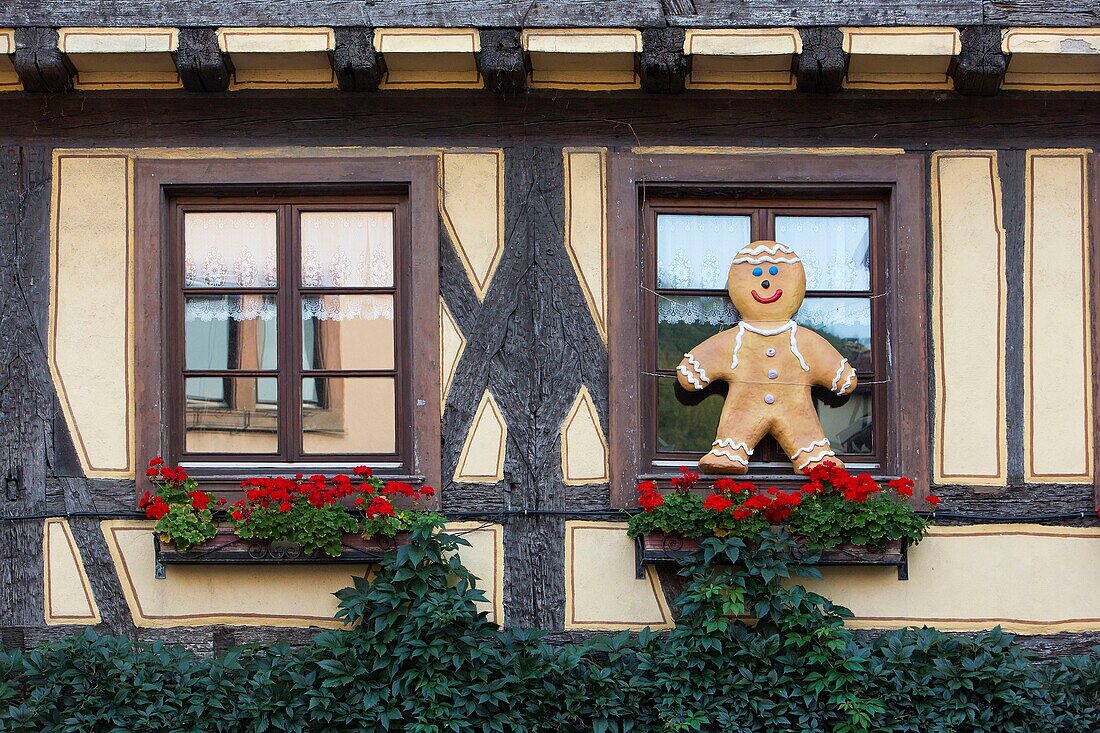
(348, 415)
(686, 321)
(848, 427)
(686, 427)
(225, 249)
(694, 251)
(227, 419)
(843, 322)
(231, 332)
(347, 332)
(836, 250)
(347, 249)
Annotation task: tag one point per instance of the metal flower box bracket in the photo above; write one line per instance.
(659, 548)
(226, 548)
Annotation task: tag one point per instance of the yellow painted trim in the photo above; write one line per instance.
(726, 150)
(90, 470)
(1045, 41)
(742, 41)
(487, 406)
(941, 379)
(579, 44)
(1030, 451)
(498, 565)
(900, 47)
(583, 399)
(651, 575)
(446, 48)
(1067, 58)
(47, 582)
(313, 40)
(75, 40)
(479, 283)
(7, 41)
(598, 310)
(9, 80)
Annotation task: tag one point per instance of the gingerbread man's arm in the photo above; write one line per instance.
(827, 367)
(706, 363)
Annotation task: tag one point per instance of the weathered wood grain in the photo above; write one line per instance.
(822, 63)
(1041, 12)
(1020, 501)
(980, 68)
(39, 63)
(1011, 170)
(762, 13)
(358, 65)
(662, 64)
(502, 62)
(201, 64)
(481, 13)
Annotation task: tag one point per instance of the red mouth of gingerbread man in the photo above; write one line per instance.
(775, 296)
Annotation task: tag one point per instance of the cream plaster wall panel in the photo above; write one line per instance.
(485, 559)
(270, 58)
(583, 445)
(968, 319)
(978, 577)
(451, 345)
(122, 58)
(68, 592)
(601, 591)
(9, 80)
(1052, 59)
(90, 310)
(482, 457)
(198, 595)
(742, 58)
(910, 58)
(471, 191)
(583, 58)
(586, 227)
(1057, 319)
(428, 58)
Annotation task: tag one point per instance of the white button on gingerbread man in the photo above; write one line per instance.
(770, 363)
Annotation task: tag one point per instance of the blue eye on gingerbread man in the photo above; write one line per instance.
(773, 270)
(757, 272)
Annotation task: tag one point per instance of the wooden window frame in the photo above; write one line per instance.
(763, 212)
(326, 182)
(899, 180)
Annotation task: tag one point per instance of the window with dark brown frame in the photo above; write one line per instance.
(687, 247)
(291, 317)
(757, 196)
(302, 329)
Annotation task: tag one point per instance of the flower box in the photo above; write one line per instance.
(227, 547)
(662, 548)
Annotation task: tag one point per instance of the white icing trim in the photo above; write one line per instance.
(847, 382)
(794, 347)
(839, 371)
(690, 377)
(810, 447)
(765, 258)
(814, 459)
(731, 443)
(697, 367)
(769, 248)
(789, 325)
(730, 456)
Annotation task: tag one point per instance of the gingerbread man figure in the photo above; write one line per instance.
(770, 363)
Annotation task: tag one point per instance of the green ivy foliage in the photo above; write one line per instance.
(752, 653)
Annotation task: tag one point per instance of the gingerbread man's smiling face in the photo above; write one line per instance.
(767, 282)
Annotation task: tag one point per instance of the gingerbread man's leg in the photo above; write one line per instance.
(803, 440)
(736, 439)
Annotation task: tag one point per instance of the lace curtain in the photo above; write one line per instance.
(835, 250)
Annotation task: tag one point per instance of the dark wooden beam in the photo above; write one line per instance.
(358, 65)
(1078, 13)
(663, 66)
(980, 67)
(502, 62)
(39, 62)
(201, 64)
(778, 13)
(823, 63)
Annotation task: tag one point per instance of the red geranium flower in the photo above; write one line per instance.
(156, 461)
(427, 491)
(199, 499)
(285, 507)
(379, 507)
(717, 503)
(363, 471)
(933, 500)
(157, 509)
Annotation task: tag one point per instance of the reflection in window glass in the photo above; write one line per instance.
(835, 250)
(230, 332)
(347, 332)
(843, 322)
(694, 251)
(232, 425)
(687, 421)
(354, 415)
(226, 249)
(848, 426)
(685, 321)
